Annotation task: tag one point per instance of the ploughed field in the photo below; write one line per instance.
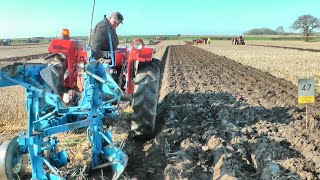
(221, 119)
(217, 119)
(23, 50)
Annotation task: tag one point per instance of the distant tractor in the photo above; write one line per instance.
(5, 42)
(154, 42)
(160, 38)
(198, 41)
(188, 42)
(32, 40)
(205, 40)
(238, 41)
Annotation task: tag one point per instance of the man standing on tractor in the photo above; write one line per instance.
(100, 38)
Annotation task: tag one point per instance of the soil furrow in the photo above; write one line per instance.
(226, 120)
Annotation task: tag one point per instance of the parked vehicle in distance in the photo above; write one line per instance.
(5, 42)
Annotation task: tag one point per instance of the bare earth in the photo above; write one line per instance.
(22, 50)
(281, 59)
(220, 118)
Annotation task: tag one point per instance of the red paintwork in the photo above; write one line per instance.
(119, 58)
(77, 55)
(143, 55)
(198, 41)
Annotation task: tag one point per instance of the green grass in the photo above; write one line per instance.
(146, 38)
(214, 37)
(23, 40)
(281, 38)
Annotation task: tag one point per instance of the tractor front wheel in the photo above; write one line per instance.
(145, 99)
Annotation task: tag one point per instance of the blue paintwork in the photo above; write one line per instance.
(48, 115)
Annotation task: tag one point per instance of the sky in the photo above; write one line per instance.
(46, 18)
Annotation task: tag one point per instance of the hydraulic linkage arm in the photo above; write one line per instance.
(48, 114)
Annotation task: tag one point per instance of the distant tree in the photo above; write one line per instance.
(307, 23)
(280, 30)
(261, 31)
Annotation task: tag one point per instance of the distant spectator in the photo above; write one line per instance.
(209, 41)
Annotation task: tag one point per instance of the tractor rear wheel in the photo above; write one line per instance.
(145, 99)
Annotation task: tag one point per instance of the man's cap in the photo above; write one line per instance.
(117, 16)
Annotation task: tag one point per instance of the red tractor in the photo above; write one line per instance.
(238, 41)
(134, 69)
(198, 41)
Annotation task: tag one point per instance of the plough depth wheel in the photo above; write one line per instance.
(12, 162)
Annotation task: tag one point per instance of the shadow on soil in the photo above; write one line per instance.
(212, 135)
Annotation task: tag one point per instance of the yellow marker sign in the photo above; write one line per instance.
(305, 91)
(305, 99)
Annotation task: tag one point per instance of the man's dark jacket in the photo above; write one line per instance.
(100, 38)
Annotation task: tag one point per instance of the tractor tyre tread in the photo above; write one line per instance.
(145, 99)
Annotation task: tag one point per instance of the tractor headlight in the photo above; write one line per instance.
(137, 44)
